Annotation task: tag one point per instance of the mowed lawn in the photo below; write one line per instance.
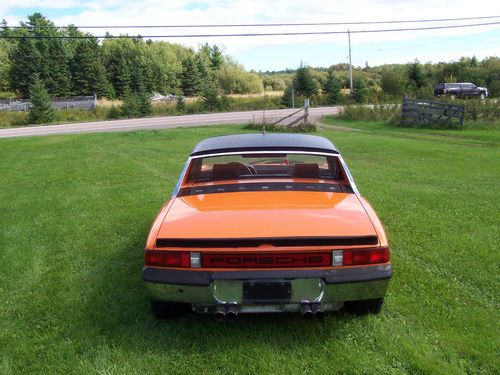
(75, 211)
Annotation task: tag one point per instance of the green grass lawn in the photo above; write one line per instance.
(75, 211)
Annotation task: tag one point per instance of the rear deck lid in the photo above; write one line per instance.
(279, 215)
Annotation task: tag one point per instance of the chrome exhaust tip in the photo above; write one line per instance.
(232, 312)
(220, 313)
(318, 311)
(306, 311)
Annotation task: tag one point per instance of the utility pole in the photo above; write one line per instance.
(350, 64)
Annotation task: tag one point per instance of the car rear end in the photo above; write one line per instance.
(270, 223)
(307, 275)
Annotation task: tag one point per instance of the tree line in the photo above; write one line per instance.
(119, 68)
(112, 68)
(382, 83)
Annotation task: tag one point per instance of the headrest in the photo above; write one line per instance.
(225, 172)
(306, 170)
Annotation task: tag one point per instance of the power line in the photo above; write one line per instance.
(253, 24)
(293, 33)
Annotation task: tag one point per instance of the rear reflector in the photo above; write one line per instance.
(370, 256)
(269, 260)
(167, 259)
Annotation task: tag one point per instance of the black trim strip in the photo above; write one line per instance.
(263, 186)
(256, 242)
(263, 148)
(333, 276)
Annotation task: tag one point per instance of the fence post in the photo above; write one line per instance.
(306, 110)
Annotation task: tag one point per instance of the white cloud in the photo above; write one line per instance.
(177, 12)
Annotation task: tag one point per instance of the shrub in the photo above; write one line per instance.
(299, 128)
(9, 119)
(136, 104)
(389, 112)
(113, 113)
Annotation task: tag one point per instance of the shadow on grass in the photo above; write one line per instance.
(117, 311)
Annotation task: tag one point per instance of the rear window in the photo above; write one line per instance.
(256, 166)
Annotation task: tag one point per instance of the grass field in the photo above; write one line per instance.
(75, 211)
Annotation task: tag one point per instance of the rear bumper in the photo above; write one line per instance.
(329, 287)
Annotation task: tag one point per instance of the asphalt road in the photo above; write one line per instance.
(162, 122)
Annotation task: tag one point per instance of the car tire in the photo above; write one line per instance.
(167, 310)
(363, 307)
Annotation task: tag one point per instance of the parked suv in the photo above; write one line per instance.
(461, 90)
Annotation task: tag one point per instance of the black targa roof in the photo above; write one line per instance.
(264, 142)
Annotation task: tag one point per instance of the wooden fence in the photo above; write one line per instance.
(431, 113)
(86, 103)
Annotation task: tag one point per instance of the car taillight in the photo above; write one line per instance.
(361, 257)
(167, 259)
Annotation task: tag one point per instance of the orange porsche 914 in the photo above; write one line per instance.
(266, 223)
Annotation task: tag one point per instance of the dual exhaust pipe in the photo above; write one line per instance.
(231, 311)
(310, 310)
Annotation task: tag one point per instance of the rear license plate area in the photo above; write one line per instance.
(262, 292)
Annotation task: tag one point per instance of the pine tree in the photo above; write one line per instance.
(41, 111)
(89, 76)
(216, 58)
(123, 78)
(190, 77)
(136, 104)
(360, 92)
(416, 75)
(130, 105)
(210, 93)
(332, 89)
(180, 106)
(25, 64)
(58, 81)
(304, 83)
(286, 99)
(144, 103)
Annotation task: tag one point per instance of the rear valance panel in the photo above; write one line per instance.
(256, 242)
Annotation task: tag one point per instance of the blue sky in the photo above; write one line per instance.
(275, 53)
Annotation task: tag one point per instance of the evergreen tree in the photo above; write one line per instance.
(205, 72)
(51, 67)
(41, 111)
(416, 75)
(144, 103)
(190, 77)
(360, 92)
(332, 89)
(25, 64)
(216, 58)
(130, 105)
(180, 106)
(58, 81)
(304, 82)
(136, 104)
(123, 78)
(286, 99)
(210, 93)
(89, 76)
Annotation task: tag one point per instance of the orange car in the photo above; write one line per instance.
(266, 223)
